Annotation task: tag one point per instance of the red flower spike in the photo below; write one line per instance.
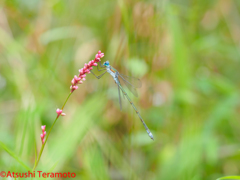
(85, 70)
(43, 134)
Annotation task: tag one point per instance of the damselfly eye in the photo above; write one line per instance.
(106, 63)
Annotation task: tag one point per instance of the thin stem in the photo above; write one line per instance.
(66, 100)
(40, 154)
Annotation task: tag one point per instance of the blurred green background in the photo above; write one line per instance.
(187, 55)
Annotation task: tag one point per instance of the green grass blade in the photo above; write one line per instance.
(229, 177)
(14, 156)
(35, 147)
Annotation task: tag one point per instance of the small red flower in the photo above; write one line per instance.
(43, 133)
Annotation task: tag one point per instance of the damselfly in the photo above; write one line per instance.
(131, 82)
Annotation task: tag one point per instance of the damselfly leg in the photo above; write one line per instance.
(100, 69)
(99, 75)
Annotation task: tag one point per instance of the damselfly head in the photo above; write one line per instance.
(106, 63)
